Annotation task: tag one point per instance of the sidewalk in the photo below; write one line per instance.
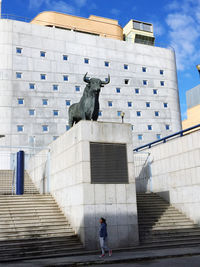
(117, 257)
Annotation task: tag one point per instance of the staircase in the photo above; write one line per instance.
(161, 225)
(6, 181)
(32, 225)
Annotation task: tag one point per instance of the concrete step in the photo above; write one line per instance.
(33, 225)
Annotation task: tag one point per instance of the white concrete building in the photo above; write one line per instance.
(41, 74)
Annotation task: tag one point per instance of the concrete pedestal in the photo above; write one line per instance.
(83, 202)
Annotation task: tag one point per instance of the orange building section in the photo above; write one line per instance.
(108, 28)
(193, 117)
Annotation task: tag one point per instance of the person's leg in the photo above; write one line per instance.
(106, 247)
(102, 245)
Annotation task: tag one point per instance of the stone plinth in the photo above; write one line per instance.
(84, 203)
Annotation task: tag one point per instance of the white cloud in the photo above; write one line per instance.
(184, 32)
(158, 28)
(80, 3)
(115, 11)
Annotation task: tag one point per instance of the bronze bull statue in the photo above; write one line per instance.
(88, 106)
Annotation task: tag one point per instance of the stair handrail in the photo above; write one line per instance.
(164, 139)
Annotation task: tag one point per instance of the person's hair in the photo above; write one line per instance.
(103, 220)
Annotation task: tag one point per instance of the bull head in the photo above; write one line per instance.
(87, 80)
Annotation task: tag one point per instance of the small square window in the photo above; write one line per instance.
(65, 78)
(45, 128)
(65, 57)
(149, 127)
(138, 113)
(110, 103)
(20, 101)
(44, 102)
(42, 53)
(67, 127)
(118, 90)
(132, 127)
(55, 137)
(106, 79)
(67, 102)
(148, 104)
(140, 136)
(156, 113)
(55, 112)
(55, 87)
(31, 86)
(125, 66)
(18, 75)
(100, 113)
(137, 91)
(43, 76)
(86, 60)
(161, 72)
(155, 91)
(162, 83)
(20, 128)
(119, 113)
(129, 104)
(18, 50)
(158, 136)
(77, 88)
(31, 112)
(107, 64)
(144, 82)
(126, 81)
(167, 127)
(144, 69)
(165, 105)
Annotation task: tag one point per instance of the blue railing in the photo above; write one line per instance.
(164, 139)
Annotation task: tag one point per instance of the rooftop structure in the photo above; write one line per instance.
(193, 107)
(94, 25)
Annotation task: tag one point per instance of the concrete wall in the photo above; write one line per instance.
(175, 171)
(84, 203)
(56, 43)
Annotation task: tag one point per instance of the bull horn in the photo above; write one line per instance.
(107, 81)
(85, 79)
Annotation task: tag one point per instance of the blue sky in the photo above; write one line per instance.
(176, 24)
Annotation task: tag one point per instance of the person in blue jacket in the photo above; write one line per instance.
(103, 238)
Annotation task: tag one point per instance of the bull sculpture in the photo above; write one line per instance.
(88, 106)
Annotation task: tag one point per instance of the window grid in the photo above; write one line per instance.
(118, 90)
(161, 72)
(45, 128)
(125, 66)
(44, 102)
(20, 101)
(167, 127)
(55, 87)
(149, 127)
(31, 112)
(137, 90)
(144, 82)
(86, 60)
(106, 63)
(144, 69)
(165, 105)
(77, 88)
(100, 113)
(65, 57)
(140, 136)
(126, 81)
(138, 113)
(148, 104)
(18, 75)
(55, 112)
(162, 83)
(42, 53)
(119, 113)
(156, 113)
(43, 76)
(67, 127)
(18, 50)
(110, 103)
(65, 78)
(155, 91)
(129, 104)
(158, 136)
(31, 86)
(67, 102)
(20, 128)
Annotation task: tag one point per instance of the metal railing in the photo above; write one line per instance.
(164, 139)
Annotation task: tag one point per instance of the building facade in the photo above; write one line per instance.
(193, 107)
(41, 75)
